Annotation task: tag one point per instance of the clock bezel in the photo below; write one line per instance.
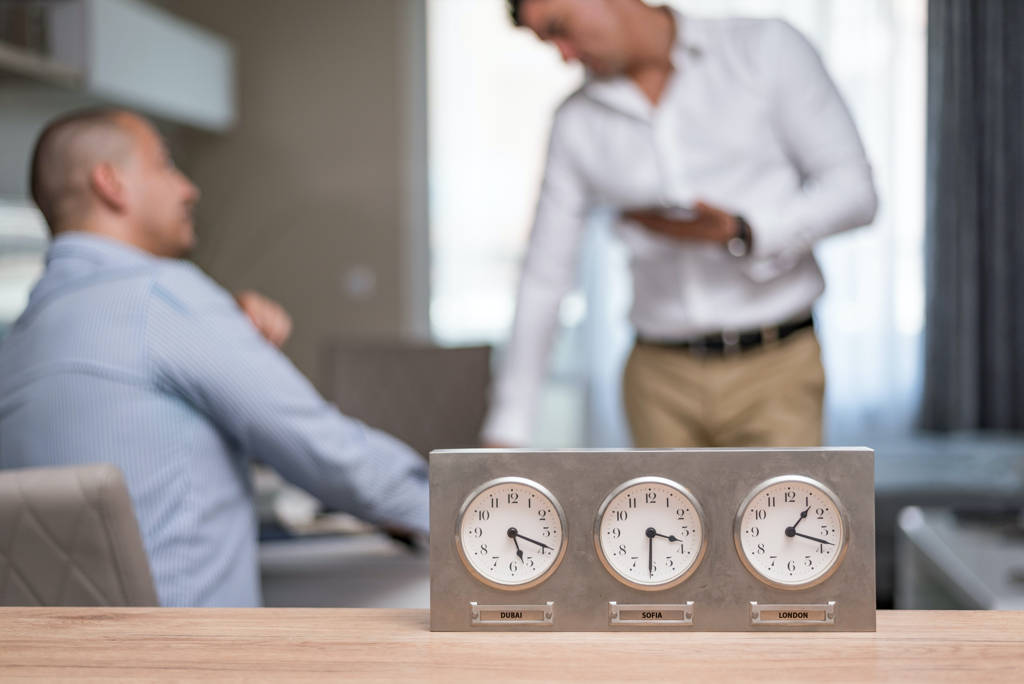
(802, 479)
(698, 509)
(555, 504)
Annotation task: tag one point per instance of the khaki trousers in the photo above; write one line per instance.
(764, 397)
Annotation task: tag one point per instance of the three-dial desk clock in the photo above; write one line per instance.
(662, 539)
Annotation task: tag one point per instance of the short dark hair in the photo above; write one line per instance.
(53, 154)
(513, 10)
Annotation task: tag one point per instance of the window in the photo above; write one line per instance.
(23, 242)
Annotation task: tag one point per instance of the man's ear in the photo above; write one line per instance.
(105, 181)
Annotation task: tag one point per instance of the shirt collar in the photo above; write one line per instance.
(99, 249)
(79, 257)
(621, 94)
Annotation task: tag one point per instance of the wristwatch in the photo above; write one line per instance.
(740, 243)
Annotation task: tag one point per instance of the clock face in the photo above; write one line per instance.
(650, 533)
(791, 532)
(511, 533)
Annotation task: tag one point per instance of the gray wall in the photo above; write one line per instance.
(317, 197)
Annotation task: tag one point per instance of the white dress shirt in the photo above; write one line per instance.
(749, 121)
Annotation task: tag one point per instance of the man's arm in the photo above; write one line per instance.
(206, 351)
(819, 134)
(548, 273)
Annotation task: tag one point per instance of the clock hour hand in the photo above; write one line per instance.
(790, 532)
(803, 514)
(513, 534)
(670, 537)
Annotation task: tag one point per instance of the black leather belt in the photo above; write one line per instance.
(727, 342)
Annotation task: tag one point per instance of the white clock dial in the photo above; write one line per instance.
(649, 533)
(791, 532)
(511, 533)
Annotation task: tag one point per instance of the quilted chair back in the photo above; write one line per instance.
(69, 537)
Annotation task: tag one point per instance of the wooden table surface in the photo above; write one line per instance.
(289, 644)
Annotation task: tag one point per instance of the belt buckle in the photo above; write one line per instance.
(730, 343)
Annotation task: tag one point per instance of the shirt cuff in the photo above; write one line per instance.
(507, 425)
(777, 248)
(413, 515)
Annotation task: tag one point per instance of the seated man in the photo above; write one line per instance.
(129, 355)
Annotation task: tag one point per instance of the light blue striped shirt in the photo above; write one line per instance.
(144, 362)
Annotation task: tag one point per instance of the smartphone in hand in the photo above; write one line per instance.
(672, 213)
(679, 213)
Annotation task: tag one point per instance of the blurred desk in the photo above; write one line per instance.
(354, 571)
(975, 471)
(947, 561)
(291, 644)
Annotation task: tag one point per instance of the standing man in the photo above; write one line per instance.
(127, 354)
(730, 153)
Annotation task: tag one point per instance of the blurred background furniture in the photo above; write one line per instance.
(950, 559)
(968, 471)
(368, 570)
(429, 397)
(69, 537)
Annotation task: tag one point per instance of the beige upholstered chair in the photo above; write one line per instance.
(429, 397)
(68, 537)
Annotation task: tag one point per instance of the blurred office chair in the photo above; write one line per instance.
(429, 397)
(69, 537)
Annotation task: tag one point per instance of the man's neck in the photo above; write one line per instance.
(654, 30)
(112, 230)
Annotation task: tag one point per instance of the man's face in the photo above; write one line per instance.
(584, 30)
(159, 198)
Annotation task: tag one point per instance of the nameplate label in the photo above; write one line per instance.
(538, 614)
(650, 614)
(793, 614)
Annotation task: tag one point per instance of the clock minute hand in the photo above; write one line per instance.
(534, 541)
(651, 534)
(807, 536)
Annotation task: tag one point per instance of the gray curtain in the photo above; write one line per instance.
(974, 358)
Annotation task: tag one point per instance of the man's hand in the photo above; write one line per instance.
(272, 321)
(498, 445)
(710, 225)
